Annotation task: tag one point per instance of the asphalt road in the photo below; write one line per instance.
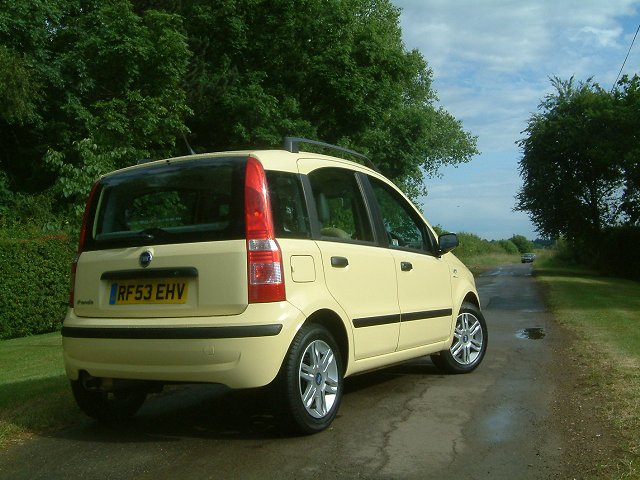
(406, 422)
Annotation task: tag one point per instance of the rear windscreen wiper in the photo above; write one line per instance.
(150, 234)
(147, 235)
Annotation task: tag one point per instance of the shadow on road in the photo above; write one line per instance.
(216, 412)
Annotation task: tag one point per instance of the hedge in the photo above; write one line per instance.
(618, 252)
(34, 284)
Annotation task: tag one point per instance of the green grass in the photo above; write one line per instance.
(604, 315)
(604, 309)
(34, 390)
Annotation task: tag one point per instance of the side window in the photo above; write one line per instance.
(339, 204)
(404, 228)
(287, 205)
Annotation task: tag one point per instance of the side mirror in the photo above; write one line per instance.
(447, 242)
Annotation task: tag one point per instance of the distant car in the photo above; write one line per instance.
(528, 258)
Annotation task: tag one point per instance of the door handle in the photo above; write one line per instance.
(339, 262)
(406, 266)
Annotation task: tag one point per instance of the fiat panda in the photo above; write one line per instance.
(252, 268)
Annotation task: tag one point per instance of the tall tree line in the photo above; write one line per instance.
(581, 165)
(89, 85)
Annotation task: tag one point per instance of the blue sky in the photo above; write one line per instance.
(491, 62)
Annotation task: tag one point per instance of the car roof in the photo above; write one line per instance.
(281, 160)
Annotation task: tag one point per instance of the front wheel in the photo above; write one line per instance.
(311, 380)
(469, 342)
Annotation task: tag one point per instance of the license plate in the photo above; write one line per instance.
(156, 291)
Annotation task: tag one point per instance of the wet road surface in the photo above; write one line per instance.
(405, 422)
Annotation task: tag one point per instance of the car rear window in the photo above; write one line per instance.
(174, 202)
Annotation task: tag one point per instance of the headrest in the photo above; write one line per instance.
(323, 208)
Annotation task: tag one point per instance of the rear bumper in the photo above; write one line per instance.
(239, 351)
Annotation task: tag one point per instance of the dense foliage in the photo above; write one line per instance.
(581, 160)
(581, 165)
(522, 243)
(88, 86)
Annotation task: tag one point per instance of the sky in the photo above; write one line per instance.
(492, 61)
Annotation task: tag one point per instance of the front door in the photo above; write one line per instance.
(424, 280)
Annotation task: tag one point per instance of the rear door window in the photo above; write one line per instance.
(185, 201)
(339, 205)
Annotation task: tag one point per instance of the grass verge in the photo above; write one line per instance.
(34, 390)
(604, 315)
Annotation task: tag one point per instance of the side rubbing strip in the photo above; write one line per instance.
(173, 333)
(375, 321)
(445, 312)
(405, 317)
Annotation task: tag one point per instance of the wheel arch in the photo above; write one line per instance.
(332, 322)
(472, 298)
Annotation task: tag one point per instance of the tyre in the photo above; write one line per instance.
(108, 406)
(469, 342)
(311, 380)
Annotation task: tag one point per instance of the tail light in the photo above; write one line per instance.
(264, 258)
(81, 244)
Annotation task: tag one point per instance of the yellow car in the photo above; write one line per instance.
(254, 268)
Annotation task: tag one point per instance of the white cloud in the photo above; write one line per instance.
(496, 47)
(492, 60)
(599, 36)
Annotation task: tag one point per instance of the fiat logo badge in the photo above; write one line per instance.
(145, 259)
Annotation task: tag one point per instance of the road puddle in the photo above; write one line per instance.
(536, 333)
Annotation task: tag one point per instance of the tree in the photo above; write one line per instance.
(628, 96)
(523, 244)
(335, 70)
(26, 70)
(19, 91)
(98, 88)
(88, 86)
(123, 98)
(572, 163)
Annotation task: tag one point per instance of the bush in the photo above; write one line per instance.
(35, 284)
(566, 253)
(522, 243)
(509, 247)
(472, 245)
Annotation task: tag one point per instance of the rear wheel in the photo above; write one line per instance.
(108, 406)
(469, 342)
(311, 381)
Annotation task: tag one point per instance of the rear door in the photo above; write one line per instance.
(359, 275)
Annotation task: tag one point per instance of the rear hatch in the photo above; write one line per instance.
(165, 239)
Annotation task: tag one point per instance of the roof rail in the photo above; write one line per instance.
(291, 144)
